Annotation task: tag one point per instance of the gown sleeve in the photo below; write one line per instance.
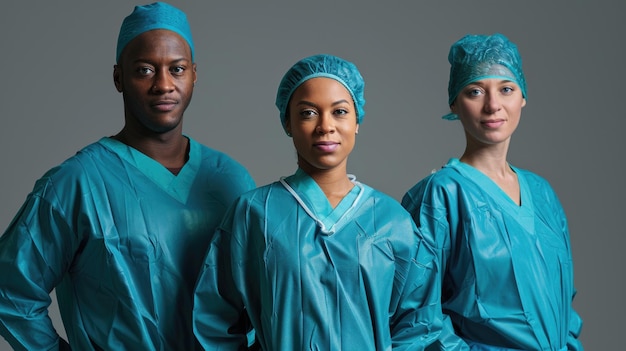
(417, 320)
(35, 252)
(575, 322)
(575, 326)
(219, 318)
(423, 202)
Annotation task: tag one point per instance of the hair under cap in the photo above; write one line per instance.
(158, 15)
(323, 65)
(477, 57)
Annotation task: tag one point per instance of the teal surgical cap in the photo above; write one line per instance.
(158, 15)
(477, 57)
(326, 66)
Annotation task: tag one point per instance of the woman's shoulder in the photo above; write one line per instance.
(266, 193)
(382, 207)
(539, 188)
(378, 202)
(379, 198)
(533, 179)
(446, 178)
(441, 188)
(372, 192)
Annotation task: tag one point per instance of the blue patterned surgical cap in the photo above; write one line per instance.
(158, 15)
(326, 66)
(477, 57)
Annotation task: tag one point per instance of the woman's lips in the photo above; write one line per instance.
(327, 146)
(493, 124)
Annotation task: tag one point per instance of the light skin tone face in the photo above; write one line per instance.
(156, 76)
(323, 124)
(490, 111)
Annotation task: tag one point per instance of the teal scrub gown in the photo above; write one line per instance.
(310, 277)
(508, 281)
(122, 240)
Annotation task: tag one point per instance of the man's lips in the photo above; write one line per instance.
(165, 105)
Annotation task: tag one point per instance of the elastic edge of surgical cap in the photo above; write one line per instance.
(322, 65)
(158, 15)
(467, 56)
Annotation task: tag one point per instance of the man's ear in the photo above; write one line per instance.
(117, 78)
(195, 74)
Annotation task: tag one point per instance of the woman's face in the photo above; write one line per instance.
(322, 121)
(490, 110)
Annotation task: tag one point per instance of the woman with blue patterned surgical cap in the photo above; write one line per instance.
(500, 231)
(121, 228)
(318, 260)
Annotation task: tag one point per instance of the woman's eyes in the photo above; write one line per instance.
(308, 113)
(477, 91)
(474, 92)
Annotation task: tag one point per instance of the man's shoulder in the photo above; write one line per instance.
(89, 156)
(212, 155)
(74, 170)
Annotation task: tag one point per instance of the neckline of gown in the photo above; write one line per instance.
(315, 203)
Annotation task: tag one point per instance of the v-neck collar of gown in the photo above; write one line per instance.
(177, 186)
(522, 211)
(313, 200)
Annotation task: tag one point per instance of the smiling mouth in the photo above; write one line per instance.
(493, 123)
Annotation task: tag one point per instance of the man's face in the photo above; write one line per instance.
(156, 76)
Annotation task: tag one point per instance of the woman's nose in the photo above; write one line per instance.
(492, 103)
(325, 125)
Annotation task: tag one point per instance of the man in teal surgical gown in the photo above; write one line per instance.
(121, 228)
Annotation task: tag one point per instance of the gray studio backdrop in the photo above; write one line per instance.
(57, 95)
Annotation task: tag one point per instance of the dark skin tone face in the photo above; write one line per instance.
(323, 124)
(156, 75)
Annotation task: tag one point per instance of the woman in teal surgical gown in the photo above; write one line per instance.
(318, 260)
(500, 231)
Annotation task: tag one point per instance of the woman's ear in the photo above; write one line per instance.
(287, 126)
